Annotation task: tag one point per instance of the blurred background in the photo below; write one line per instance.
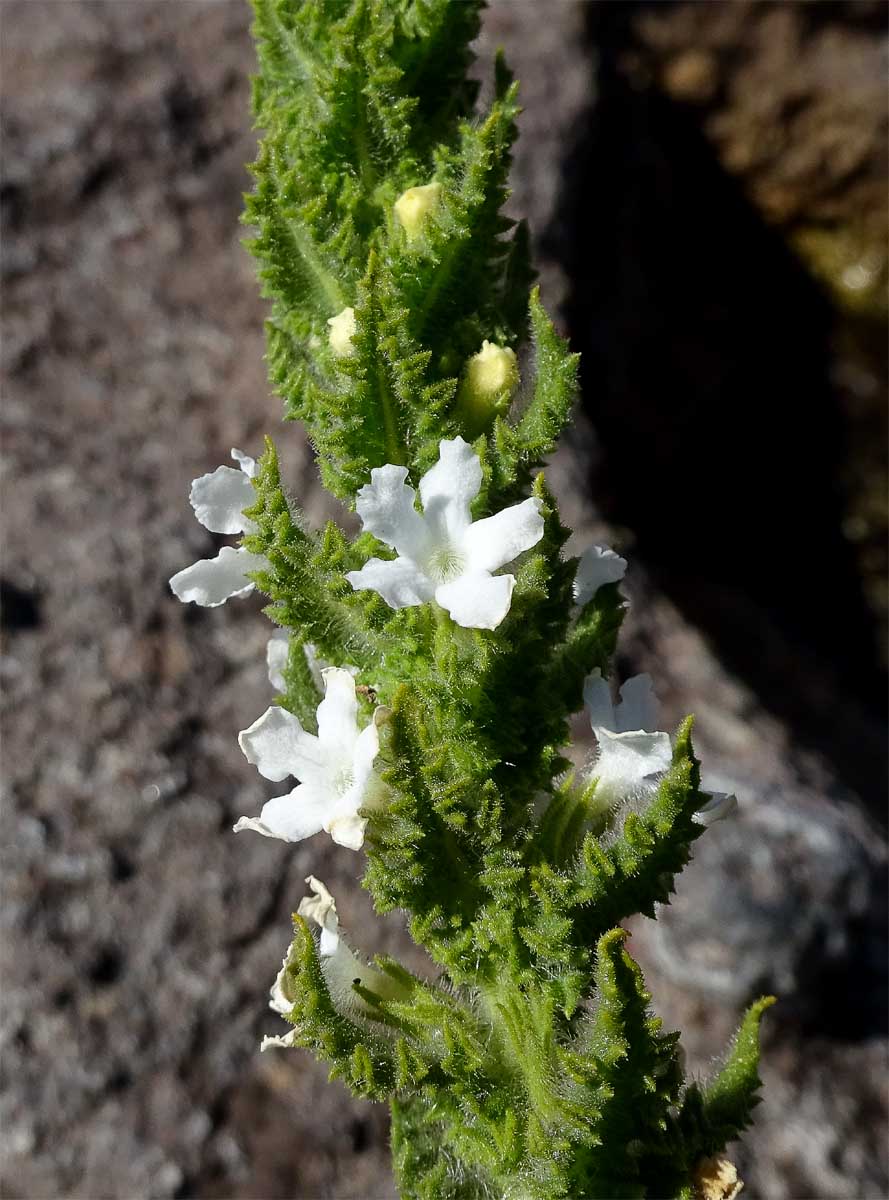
(706, 185)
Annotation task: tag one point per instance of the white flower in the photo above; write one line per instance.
(342, 330)
(336, 768)
(414, 208)
(631, 750)
(632, 753)
(598, 565)
(442, 554)
(219, 500)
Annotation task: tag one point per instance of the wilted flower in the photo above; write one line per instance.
(281, 1001)
(442, 554)
(717, 1179)
(219, 500)
(341, 968)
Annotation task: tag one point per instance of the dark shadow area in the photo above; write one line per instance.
(19, 608)
(707, 375)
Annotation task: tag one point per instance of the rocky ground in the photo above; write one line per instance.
(139, 936)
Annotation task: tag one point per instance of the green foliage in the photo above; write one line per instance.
(717, 1112)
(359, 102)
(533, 1066)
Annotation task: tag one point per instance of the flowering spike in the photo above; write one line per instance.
(398, 313)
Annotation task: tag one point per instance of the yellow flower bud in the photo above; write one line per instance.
(492, 371)
(342, 327)
(491, 377)
(415, 206)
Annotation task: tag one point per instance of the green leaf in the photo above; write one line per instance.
(517, 448)
(634, 870)
(715, 1114)
(362, 1059)
(630, 1073)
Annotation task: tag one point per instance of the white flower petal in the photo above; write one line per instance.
(348, 830)
(495, 541)
(300, 814)
(628, 760)
(367, 747)
(638, 707)
(636, 710)
(338, 714)
(386, 508)
(448, 489)
(598, 565)
(477, 601)
(278, 746)
(597, 698)
(719, 806)
(329, 943)
(321, 908)
(279, 1001)
(245, 462)
(277, 652)
(346, 827)
(218, 500)
(286, 1040)
(254, 824)
(211, 581)
(400, 582)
